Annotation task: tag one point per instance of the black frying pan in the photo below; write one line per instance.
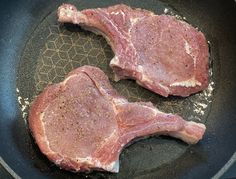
(25, 36)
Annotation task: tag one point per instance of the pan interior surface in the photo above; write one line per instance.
(51, 50)
(64, 47)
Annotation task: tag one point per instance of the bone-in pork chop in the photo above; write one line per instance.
(163, 54)
(82, 123)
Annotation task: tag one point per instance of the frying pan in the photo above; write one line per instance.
(30, 38)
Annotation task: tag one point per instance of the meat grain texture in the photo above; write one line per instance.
(163, 54)
(82, 123)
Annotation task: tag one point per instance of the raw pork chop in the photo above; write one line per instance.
(82, 123)
(163, 54)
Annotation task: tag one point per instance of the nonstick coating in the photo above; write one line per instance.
(20, 22)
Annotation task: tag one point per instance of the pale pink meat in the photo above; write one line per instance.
(82, 123)
(163, 54)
